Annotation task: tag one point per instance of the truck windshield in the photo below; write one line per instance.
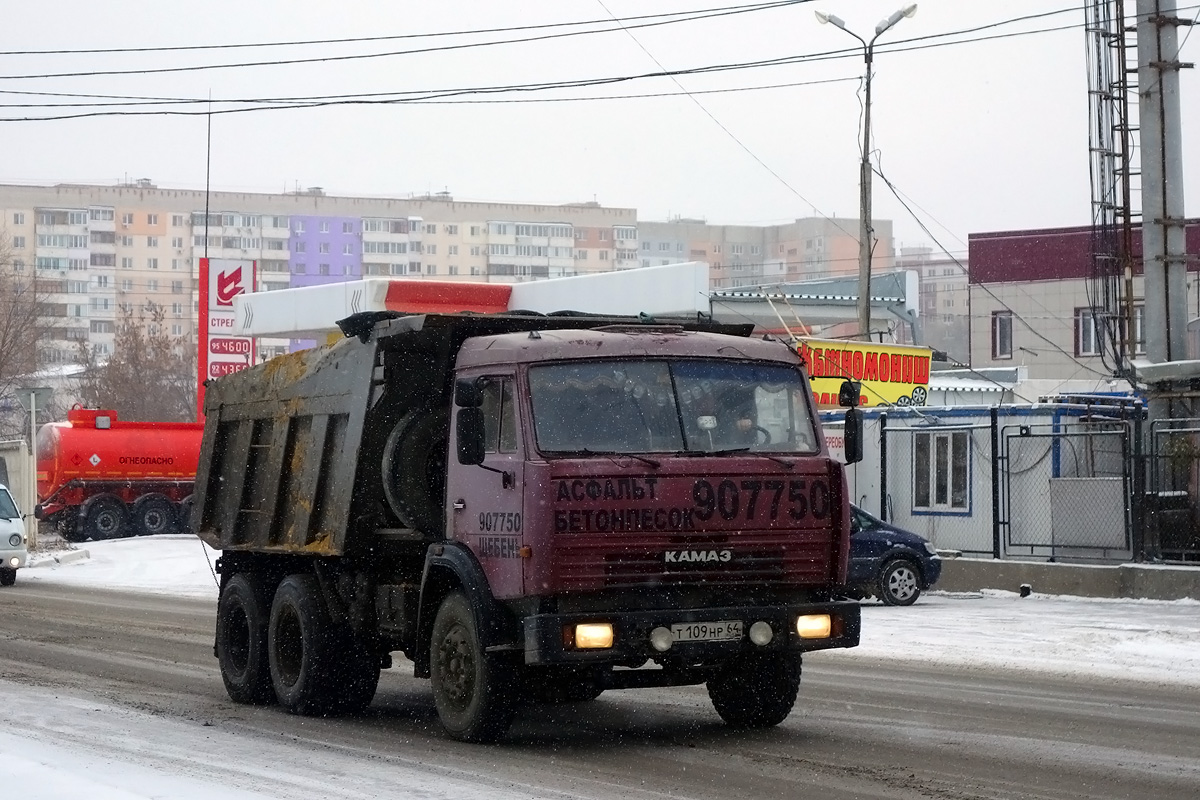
(670, 406)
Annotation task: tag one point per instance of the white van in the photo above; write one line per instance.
(12, 539)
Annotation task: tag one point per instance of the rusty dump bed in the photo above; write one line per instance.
(290, 460)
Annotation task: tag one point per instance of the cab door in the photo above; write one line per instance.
(486, 499)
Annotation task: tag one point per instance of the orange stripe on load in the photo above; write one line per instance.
(437, 297)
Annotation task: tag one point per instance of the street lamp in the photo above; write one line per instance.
(864, 180)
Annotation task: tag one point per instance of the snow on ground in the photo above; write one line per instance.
(1141, 640)
(1149, 640)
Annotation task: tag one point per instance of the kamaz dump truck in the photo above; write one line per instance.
(530, 508)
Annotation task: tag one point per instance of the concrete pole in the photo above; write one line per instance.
(866, 229)
(31, 530)
(1163, 247)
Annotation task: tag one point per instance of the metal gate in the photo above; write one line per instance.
(1172, 489)
(1064, 488)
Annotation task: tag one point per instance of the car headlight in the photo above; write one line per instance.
(929, 548)
(14, 540)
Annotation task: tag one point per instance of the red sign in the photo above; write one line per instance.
(229, 286)
(218, 369)
(229, 347)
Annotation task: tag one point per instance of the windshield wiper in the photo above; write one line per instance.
(780, 461)
(583, 451)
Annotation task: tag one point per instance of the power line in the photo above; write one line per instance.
(390, 54)
(399, 37)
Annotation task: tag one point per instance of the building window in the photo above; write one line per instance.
(152, 219)
(127, 219)
(941, 471)
(126, 263)
(299, 226)
(324, 226)
(177, 220)
(1087, 335)
(151, 241)
(452, 230)
(18, 218)
(151, 263)
(18, 242)
(347, 249)
(323, 247)
(347, 227)
(1002, 334)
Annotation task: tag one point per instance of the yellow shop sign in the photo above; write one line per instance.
(891, 374)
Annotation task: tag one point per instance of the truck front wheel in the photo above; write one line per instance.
(474, 691)
(243, 613)
(8, 576)
(756, 691)
(301, 641)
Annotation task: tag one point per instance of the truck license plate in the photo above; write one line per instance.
(721, 631)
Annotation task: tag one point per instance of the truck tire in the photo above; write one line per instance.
(243, 615)
(106, 518)
(301, 647)
(474, 691)
(183, 512)
(414, 469)
(8, 576)
(154, 514)
(756, 691)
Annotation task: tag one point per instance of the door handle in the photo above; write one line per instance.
(460, 504)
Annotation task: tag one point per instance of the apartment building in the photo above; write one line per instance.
(753, 255)
(1035, 301)
(944, 321)
(97, 252)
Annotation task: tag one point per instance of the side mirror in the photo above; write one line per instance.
(470, 434)
(853, 435)
(468, 393)
(849, 394)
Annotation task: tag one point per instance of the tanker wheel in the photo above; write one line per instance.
(243, 613)
(474, 691)
(414, 468)
(302, 648)
(154, 514)
(106, 519)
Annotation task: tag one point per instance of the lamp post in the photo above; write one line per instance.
(864, 181)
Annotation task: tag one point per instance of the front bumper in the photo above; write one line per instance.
(545, 643)
(13, 559)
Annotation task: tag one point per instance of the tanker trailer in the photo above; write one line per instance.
(102, 478)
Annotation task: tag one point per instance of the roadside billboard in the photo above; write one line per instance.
(891, 374)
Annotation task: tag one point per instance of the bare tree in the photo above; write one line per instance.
(150, 376)
(23, 316)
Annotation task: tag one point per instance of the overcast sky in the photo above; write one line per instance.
(987, 134)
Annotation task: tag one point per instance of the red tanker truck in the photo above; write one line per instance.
(101, 478)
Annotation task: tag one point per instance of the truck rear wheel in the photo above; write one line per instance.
(756, 691)
(243, 614)
(301, 640)
(154, 514)
(358, 677)
(106, 518)
(474, 691)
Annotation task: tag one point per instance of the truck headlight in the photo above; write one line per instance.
(594, 635)
(14, 540)
(813, 626)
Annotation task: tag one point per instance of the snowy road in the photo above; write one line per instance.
(116, 695)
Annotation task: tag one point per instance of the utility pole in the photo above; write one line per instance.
(866, 231)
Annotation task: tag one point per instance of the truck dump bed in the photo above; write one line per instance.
(291, 456)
